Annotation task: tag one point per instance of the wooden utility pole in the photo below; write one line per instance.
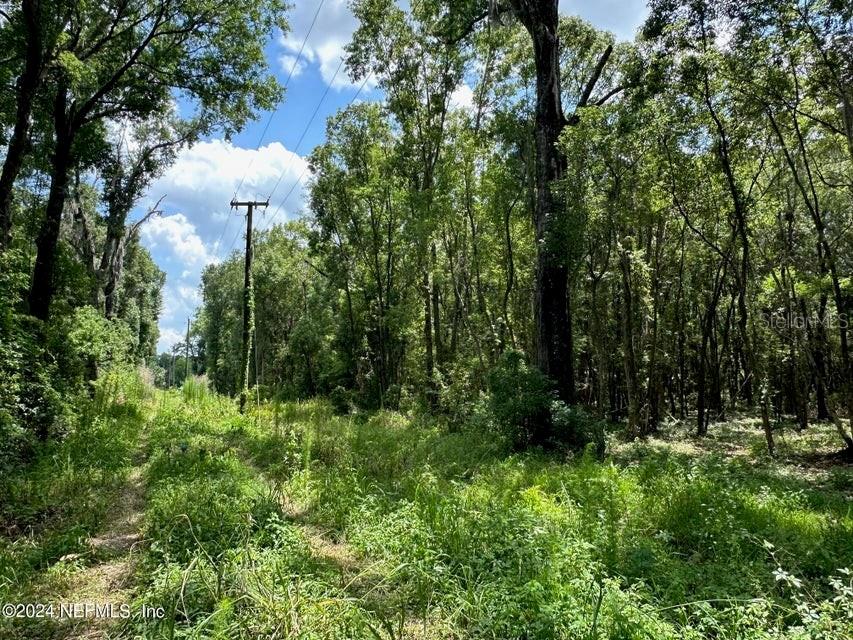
(187, 373)
(248, 301)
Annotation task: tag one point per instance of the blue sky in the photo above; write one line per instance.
(197, 228)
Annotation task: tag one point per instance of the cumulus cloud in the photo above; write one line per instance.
(169, 337)
(462, 97)
(325, 45)
(178, 235)
(291, 65)
(203, 181)
(175, 243)
(199, 228)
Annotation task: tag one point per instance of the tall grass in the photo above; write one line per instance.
(295, 522)
(195, 390)
(52, 505)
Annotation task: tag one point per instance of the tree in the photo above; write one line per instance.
(33, 31)
(125, 59)
(552, 223)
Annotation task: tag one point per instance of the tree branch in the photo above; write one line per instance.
(153, 211)
(590, 85)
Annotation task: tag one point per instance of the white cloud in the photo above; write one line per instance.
(462, 97)
(325, 45)
(199, 227)
(292, 66)
(168, 337)
(179, 236)
(203, 181)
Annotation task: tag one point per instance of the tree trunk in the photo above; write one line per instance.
(43, 286)
(629, 358)
(27, 86)
(436, 313)
(429, 360)
(551, 297)
(765, 422)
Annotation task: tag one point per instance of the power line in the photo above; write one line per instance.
(286, 83)
(224, 228)
(307, 126)
(304, 170)
(304, 131)
(267, 126)
(233, 240)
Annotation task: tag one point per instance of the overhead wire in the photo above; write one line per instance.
(367, 77)
(305, 169)
(272, 114)
(306, 128)
(296, 61)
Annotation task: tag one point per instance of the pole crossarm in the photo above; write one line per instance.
(235, 204)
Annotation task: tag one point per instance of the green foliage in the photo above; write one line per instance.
(195, 390)
(340, 400)
(576, 427)
(520, 400)
(354, 524)
(50, 505)
(445, 528)
(91, 337)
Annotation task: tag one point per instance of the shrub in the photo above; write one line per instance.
(520, 400)
(575, 427)
(341, 400)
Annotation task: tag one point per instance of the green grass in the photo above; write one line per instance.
(51, 506)
(454, 537)
(293, 522)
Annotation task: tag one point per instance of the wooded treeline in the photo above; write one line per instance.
(98, 100)
(662, 227)
(644, 230)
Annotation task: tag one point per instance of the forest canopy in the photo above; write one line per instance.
(693, 223)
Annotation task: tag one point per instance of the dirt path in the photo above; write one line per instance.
(109, 578)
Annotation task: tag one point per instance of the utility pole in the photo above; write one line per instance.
(187, 373)
(248, 301)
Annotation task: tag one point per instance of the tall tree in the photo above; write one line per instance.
(554, 228)
(125, 59)
(33, 28)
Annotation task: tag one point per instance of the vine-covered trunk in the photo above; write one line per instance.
(551, 288)
(43, 286)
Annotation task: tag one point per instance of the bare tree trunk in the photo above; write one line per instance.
(765, 421)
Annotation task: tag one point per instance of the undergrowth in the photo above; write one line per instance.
(297, 522)
(52, 505)
(454, 536)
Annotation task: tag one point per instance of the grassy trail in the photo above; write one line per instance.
(73, 521)
(296, 523)
(110, 576)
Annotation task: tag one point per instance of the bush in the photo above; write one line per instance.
(341, 400)
(575, 427)
(520, 400)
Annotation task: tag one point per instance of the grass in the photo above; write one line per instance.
(293, 522)
(51, 508)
